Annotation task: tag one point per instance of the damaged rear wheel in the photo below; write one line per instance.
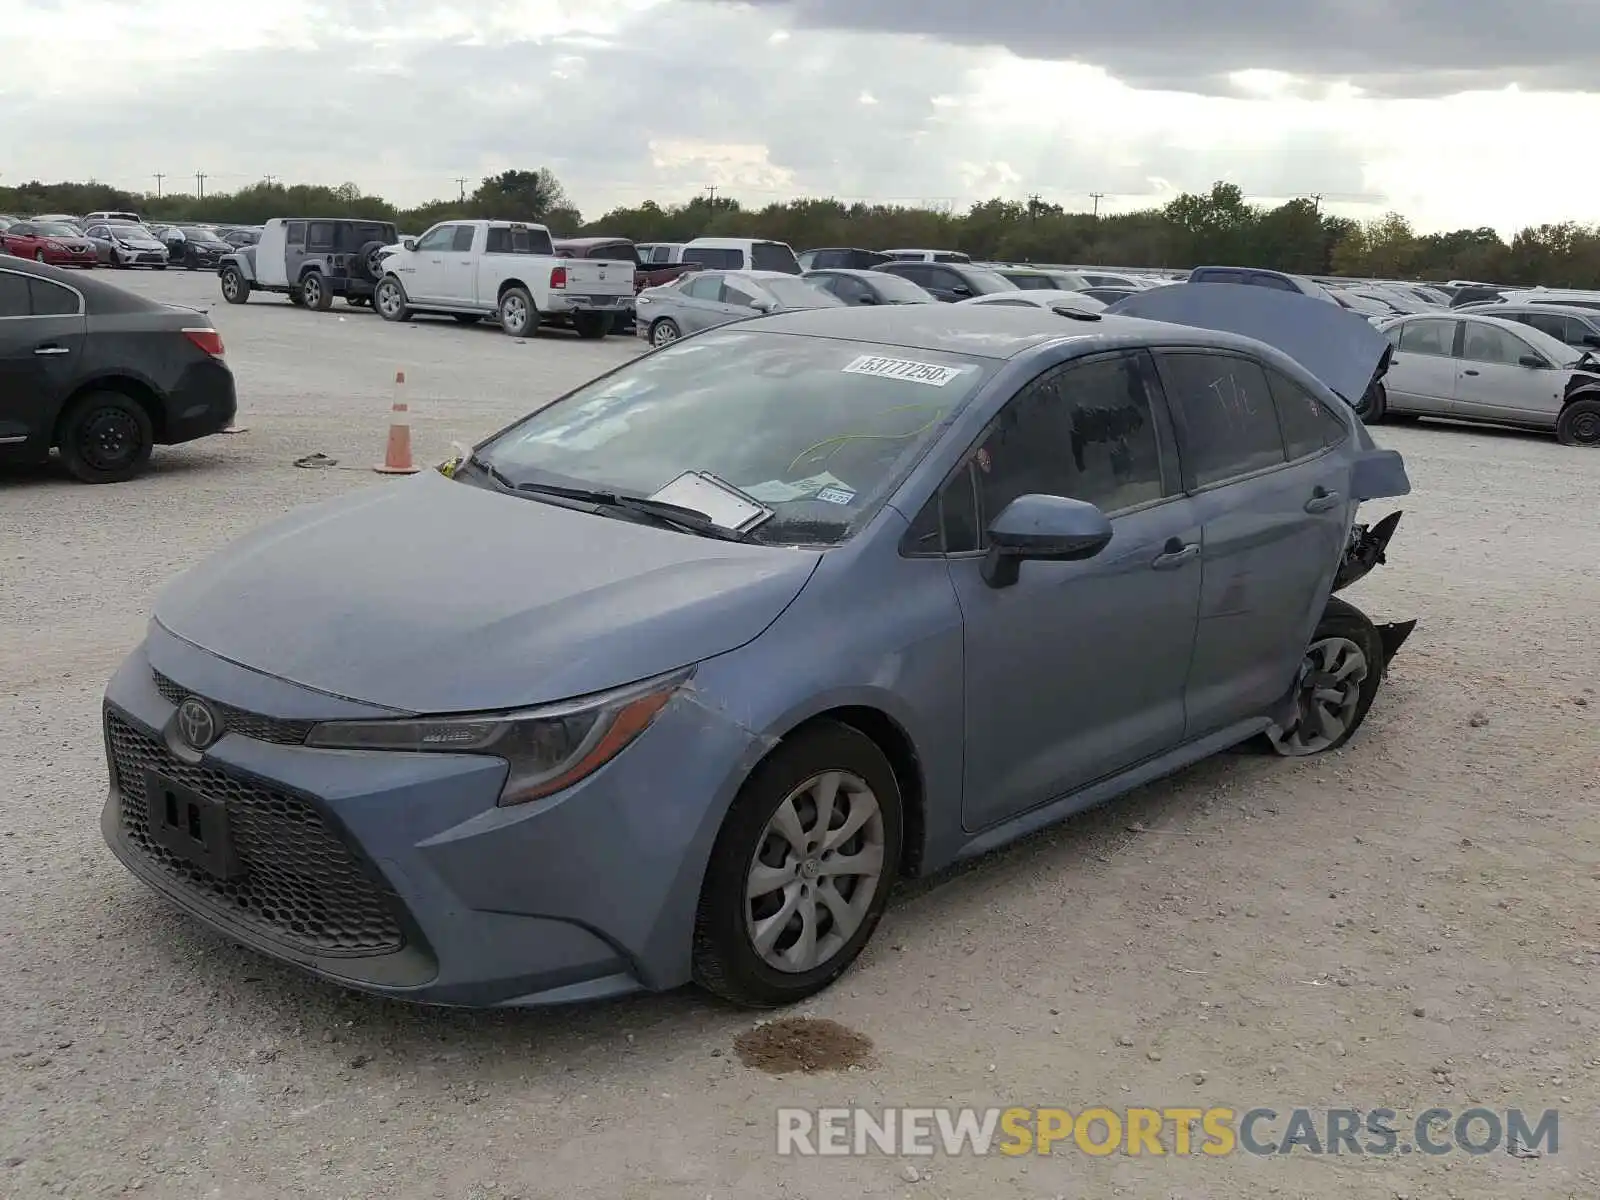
(1337, 682)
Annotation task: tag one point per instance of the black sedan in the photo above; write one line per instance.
(950, 282)
(869, 287)
(101, 374)
(198, 249)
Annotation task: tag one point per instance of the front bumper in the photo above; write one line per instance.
(397, 873)
(139, 258)
(71, 258)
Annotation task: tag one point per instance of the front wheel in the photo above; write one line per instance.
(801, 870)
(105, 437)
(1374, 404)
(390, 300)
(518, 315)
(1336, 685)
(235, 287)
(1579, 424)
(664, 332)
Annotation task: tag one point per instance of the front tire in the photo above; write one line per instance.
(1374, 404)
(519, 316)
(1579, 423)
(801, 870)
(389, 298)
(664, 332)
(315, 292)
(235, 287)
(105, 437)
(1337, 683)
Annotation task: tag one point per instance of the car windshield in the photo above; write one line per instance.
(199, 235)
(797, 293)
(57, 229)
(124, 230)
(820, 429)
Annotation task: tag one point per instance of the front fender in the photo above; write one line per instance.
(244, 259)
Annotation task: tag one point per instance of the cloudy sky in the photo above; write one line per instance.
(1456, 112)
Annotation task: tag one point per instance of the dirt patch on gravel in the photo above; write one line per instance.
(802, 1044)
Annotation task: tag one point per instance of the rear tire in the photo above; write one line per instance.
(235, 287)
(1579, 423)
(105, 437)
(518, 314)
(591, 325)
(1337, 683)
(795, 867)
(314, 291)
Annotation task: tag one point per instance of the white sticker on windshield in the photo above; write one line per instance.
(902, 368)
(777, 491)
(836, 495)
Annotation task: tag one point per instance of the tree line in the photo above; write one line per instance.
(1219, 226)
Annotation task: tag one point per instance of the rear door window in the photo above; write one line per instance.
(51, 299)
(774, 256)
(14, 301)
(505, 240)
(719, 257)
(1227, 419)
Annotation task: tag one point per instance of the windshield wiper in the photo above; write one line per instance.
(493, 472)
(691, 520)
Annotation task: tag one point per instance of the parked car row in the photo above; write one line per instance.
(119, 239)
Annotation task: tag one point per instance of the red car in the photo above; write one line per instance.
(52, 242)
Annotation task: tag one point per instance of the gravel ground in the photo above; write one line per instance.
(1413, 921)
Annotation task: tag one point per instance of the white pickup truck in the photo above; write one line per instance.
(503, 269)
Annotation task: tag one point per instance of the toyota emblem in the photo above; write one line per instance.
(197, 723)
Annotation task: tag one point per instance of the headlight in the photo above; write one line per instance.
(548, 749)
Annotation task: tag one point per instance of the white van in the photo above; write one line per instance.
(113, 218)
(741, 254)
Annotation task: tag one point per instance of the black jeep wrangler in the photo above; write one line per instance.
(311, 260)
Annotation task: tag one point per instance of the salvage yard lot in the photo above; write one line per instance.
(1412, 922)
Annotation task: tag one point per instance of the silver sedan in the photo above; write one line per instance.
(1477, 368)
(705, 299)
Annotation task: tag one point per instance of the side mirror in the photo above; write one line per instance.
(1532, 361)
(410, 243)
(762, 305)
(866, 298)
(1046, 528)
(961, 289)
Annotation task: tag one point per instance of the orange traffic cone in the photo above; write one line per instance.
(397, 457)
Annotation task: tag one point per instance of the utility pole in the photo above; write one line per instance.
(200, 183)
(1316, 203)
(1097, 197)
(461, 187)
(711, 193)
(268, 179)
(158, 177)
(1033, 207)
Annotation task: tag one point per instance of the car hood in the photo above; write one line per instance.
(1339, 347)
(139, 243)
(437, 596)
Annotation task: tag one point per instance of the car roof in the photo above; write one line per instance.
(592, 241)
(760, 275)
(862, 272)
(995, 331)
(1528, 306)
(98, 295)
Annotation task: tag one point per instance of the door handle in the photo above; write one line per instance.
(1469, 371)
(52, 350)
(1322, 500)
(1175, 555)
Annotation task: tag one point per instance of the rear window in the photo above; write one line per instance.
(520, 241)
(359, 235)
(774, 256)
(615, 252)
(714, 257)
(1032, 283)
(954, 256)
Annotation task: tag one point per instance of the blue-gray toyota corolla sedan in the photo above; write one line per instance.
(674, 678)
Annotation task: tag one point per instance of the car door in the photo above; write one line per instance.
(19, 241)
(41, 342)
(1503, 378)
(461, 268)
(699, 305)
(1077, 670)
(1272, 533)
(1422, 373)
(429, 279)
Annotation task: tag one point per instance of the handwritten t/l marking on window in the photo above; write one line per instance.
(1235, 400)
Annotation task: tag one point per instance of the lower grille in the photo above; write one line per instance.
(299, 885)
(237, 720)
